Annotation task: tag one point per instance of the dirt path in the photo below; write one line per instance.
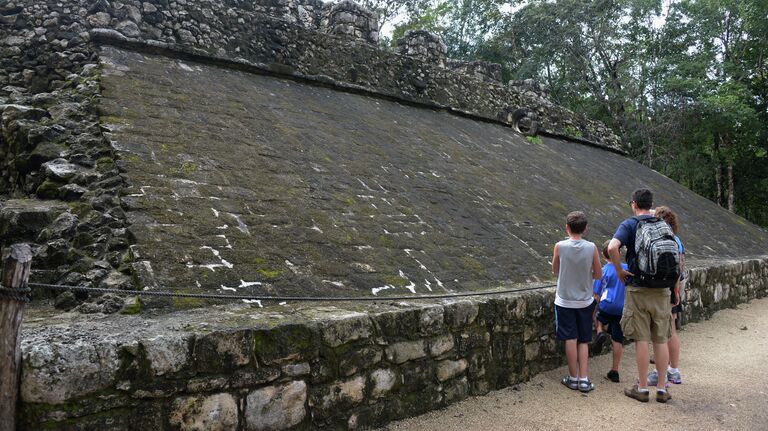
(725, 387)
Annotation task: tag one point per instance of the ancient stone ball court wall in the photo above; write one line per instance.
(272, 148)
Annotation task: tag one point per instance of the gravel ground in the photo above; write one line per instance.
(724, 364)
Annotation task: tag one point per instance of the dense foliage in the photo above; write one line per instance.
(683, 82)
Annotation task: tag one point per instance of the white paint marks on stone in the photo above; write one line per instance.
(411, 285)
(222, 227)
(226, 240)
(241, 226)
(223, 287)
(185, 67)
(214, 198)
(215, 212)
(435, 174)
(143, 190)
(282, 303)
(315, 227)
(253, 301)
(428, 284)
(212, 266)
(364, 185)
(249, 283)
(334, 283)
(375, 291)
(197, 283)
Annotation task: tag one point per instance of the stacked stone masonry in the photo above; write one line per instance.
(324, 367)
(52, 144)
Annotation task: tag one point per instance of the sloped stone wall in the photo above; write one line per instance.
(43, 42)
(325, 367)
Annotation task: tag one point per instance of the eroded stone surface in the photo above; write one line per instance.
(276, 408)
(212, 413)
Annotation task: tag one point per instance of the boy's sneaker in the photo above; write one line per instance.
(570, 383)
(613, 376)
(663, 396)
(653, 379)
(597, 345)
(674, 377)
(634, 392)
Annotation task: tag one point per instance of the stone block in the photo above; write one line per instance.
(55, 373)
(205, 413)
(383, 381)
(456, 390)
(286, 344)
(431, 320)
(441, 345)
(167, 353)
(461, 314)
(219, 351)
(296, 370)
(406, 351)
(276, 407)
(343, 393)
(449, 369)
(347, 328)
(358, 359)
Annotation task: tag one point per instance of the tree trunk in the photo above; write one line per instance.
(731, 194)
(718, 172)
(16, 269)
(719, 183)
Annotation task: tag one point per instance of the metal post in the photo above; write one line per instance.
(13, 295)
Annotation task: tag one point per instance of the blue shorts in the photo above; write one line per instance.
(574, 323)
(614, 325)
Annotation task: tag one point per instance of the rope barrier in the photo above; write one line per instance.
(21, 295)
(281, 298)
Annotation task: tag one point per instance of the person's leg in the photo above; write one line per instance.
(641, 353)
(674, 345)
(662, 359)
(571, 356)
(583, 356)
(617, 350)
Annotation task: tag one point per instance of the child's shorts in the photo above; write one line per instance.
(574, 323)
(614, 325)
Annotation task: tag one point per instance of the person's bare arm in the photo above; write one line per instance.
(597, 269)
(613, 252)
(556, 261)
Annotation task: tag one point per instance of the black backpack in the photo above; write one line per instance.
(657, 262)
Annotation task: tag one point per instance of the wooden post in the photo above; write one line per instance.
(16, 267)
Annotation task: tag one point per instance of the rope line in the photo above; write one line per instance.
(281, 298)
(21, 294)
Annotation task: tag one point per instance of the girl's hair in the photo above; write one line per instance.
(605, 249)
(669, 216)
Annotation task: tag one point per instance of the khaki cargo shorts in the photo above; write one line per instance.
(646, 314)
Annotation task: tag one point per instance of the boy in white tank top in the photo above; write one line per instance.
(576, 263)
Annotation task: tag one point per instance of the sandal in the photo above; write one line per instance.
(569, 383)
(586, 386)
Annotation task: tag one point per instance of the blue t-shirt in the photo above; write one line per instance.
(611, 290)
(626, 233)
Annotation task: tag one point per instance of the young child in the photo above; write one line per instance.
(673, 370)
(576, 263)
(610, 292)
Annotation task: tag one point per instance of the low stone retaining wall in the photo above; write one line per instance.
(305, 367)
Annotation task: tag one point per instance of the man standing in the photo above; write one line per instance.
(646, 314)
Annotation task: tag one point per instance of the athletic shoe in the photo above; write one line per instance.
(597, 345)
(674, 377)
(663, 396)
(570, 383)
(613, 376)
(586, 386)
(635, 393)
(653, 379)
